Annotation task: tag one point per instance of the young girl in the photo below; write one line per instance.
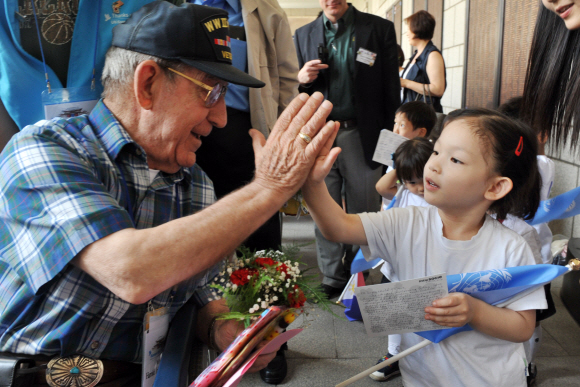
(410, 159)
(482, 161)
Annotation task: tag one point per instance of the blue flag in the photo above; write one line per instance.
(559, 207)
(352, 310)
(359, 263)
(496, 287)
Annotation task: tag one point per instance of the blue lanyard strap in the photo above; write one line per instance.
(40, 44)
(96, 46)
(93, 81)
(130, 203)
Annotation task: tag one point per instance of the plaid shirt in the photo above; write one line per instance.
(61, 190)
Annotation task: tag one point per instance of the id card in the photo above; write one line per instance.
(70, 102)
(155, 327)
(365, 56)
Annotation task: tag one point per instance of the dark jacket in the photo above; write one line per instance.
(377, 87)
(418, 73)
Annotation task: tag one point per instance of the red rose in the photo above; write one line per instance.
(296, 299)
(240, 276)
(282, 268)
(265, 262)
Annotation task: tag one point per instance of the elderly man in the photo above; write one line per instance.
(106, 216)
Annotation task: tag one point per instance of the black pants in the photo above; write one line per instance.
(227, 156)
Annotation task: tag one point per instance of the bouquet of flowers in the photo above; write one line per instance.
(255, 281)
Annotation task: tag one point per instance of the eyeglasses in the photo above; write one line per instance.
(214, 93)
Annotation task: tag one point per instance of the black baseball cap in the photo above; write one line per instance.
(196, 35)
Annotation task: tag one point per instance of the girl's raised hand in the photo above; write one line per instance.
(454, 310)
(325, 159)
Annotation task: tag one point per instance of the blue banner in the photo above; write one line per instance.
(560, 207)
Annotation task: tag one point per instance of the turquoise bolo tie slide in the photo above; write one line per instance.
(76, 370)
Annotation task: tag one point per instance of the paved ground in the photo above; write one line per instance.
(330, 350)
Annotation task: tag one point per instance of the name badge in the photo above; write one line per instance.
(155, 327)
(365, 56)
(70, 102)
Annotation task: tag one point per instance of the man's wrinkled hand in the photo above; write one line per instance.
(285, 160)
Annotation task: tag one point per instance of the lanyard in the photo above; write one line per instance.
(42, 51)
(130, 203)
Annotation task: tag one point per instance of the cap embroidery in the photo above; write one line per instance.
(217, 30)
(222, 42)
(217, 23)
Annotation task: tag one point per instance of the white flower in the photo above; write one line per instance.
(256, 307)
(288, 285)
(259, 299)
(230, 270)
(222, 280)
(249, 277)
(264, 304)
(282, 275)
(241, 264)
(275, 298)
(234, 287)
(251, 310)
(209, 299)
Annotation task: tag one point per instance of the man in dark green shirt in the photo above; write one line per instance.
(360, 77)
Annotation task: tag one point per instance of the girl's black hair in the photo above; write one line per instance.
(411, 157)
(551, 96)
(504, 138)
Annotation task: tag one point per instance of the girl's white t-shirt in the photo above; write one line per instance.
(411, 240)
(529, 233)
(403, 198)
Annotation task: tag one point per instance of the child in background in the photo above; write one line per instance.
(481, 162)
(410, 159)
(413, 119)
(512, 109)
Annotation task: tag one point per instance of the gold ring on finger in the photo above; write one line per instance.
(305, 137)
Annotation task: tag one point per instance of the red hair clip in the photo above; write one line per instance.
(520, 146)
